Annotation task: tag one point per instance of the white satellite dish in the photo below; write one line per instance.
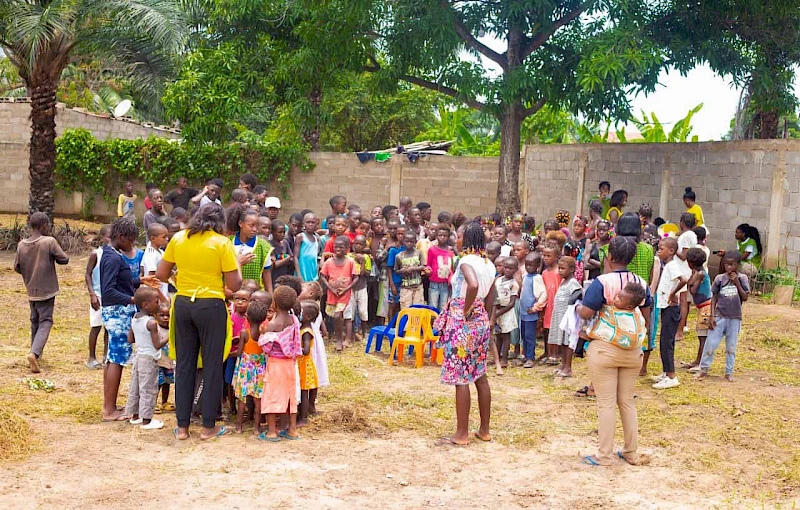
(122, 108)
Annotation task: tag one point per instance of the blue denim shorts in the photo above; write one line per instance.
(117, 321)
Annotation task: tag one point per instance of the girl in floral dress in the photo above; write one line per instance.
(464, 338)
(249, 378)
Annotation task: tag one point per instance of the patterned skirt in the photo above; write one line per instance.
(465, 342)
(249, 376)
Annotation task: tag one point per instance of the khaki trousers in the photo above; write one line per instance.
(613, 371)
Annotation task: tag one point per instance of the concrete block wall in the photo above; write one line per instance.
(550, 179)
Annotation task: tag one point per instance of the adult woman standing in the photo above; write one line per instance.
(619, 199)
(205, 259)
(690, 201)
(252, 251)
(465, 334)
(612, 368)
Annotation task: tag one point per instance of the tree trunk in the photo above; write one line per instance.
(769, 125)
(43, 148)
(311, 135)
(508, 179)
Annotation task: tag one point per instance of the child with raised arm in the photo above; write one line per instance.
(251, 365)
(281, 343)
(672, 282)
(92, 278)
(505, 316)
(700, 288)
(533, 299)
(338, 274)
(126, 201)
(729, 291)
(35, 260)
(408, 264)
(568, 293)
(309, 382)
(144, 377)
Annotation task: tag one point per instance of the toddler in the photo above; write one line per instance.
(144, 377)
(251, 365)
(569, 291)
(309, 381)
(700, 288)
(533, 299)
(729, 291)
(241, 301)
(281, 344)
(505, 316)
(166, 367)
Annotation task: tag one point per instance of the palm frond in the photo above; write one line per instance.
(162, 20)
(32, 28)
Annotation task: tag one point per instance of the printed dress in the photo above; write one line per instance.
(306, 365)
(250, 369)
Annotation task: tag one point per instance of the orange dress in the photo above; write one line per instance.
(306, 366)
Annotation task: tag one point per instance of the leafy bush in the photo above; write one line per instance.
(84, 163)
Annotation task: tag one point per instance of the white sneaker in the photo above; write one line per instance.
(694, 369)
(153, 425)
(667, 383)
(137, 421)
(658, 378)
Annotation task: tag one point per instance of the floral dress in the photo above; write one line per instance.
(250, 369)
(465, 340)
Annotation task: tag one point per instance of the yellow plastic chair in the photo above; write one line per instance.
(669, 230)
(415, 334)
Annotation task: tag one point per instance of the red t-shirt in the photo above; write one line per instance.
(440, 261)
(342, 274)
(552, 281)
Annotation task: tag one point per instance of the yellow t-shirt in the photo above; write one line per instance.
(698, 214)
(201, 259)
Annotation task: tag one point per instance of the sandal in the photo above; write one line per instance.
(589, 460)
(583, 392)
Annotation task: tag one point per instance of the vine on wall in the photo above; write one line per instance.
(84, 163)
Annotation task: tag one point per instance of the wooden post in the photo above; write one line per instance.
(663, 200)
(395, 180)
(776, 212)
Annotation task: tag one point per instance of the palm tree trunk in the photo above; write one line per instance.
(43, 147)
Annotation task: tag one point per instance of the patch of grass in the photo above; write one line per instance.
(17, 439)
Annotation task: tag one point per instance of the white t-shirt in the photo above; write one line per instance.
(205, 200)
(484, 271)
(686, 241)
(152, 257)
(670, 275)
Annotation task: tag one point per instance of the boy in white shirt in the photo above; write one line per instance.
(670, 285)
(158, 236)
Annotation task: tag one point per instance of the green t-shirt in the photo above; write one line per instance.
(606, 202)
(749, 251)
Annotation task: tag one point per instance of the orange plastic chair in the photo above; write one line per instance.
(416, 334)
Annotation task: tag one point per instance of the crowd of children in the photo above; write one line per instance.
(338, 274)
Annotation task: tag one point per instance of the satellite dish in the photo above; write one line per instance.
(122, 108)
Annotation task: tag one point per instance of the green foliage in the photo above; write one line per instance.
(84, 163)
(551, 125)
(474, 134)
(653, 131)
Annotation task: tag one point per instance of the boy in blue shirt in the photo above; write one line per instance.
(533, 299)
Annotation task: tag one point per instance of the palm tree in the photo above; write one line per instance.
(40, 37)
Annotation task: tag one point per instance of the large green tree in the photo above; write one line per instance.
(40, 37)
(581, 55)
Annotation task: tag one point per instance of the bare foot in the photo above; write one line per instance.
(483, 436)
(499, 370)
(218, 431)
(33, 363)
(642, 373)
(564, 373)
(701, 376)
(346, 344)
(301, 424)
(451, 441)
(238, 429)
(181, 433)
(115, 416)
(729, 378)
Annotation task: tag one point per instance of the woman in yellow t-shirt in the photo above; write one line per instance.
(206, 263)
(690, 201)
(619, 199)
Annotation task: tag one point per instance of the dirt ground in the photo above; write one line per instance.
(713, 444)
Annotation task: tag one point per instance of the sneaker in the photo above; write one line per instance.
(694, 369)
(153, 425)
(137, 421)
(658, 378)
(667, 383)
(528, 364)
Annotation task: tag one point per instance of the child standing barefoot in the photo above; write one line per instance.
(313, 291)
(281, 343)
(166, 367)
(568, 293)
(92, 278)
(552, 281)
(305, 364)
(533, 299)
(144, 376)
(306, 249)
(505, 316)
(700, 288)
(338, 275)
(241, 300)
(251, 367)
(729, 291)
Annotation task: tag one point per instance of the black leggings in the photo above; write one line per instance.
(199, 324)
(670, 320)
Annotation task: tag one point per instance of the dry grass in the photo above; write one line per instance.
(744, 432)
(17, 439)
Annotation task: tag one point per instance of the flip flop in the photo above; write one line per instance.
(588, 460)
(482, 439)
(121, 417)
(448, 441)
(583, 392)
(223, 431)
(263, 437)
(175, 433)
(285, 434)
(643, 459)
(93, 365)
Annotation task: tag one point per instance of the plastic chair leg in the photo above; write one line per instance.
(369, 343)
(378, 342)
(391, 356)
(420, 360)
(397, 348)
